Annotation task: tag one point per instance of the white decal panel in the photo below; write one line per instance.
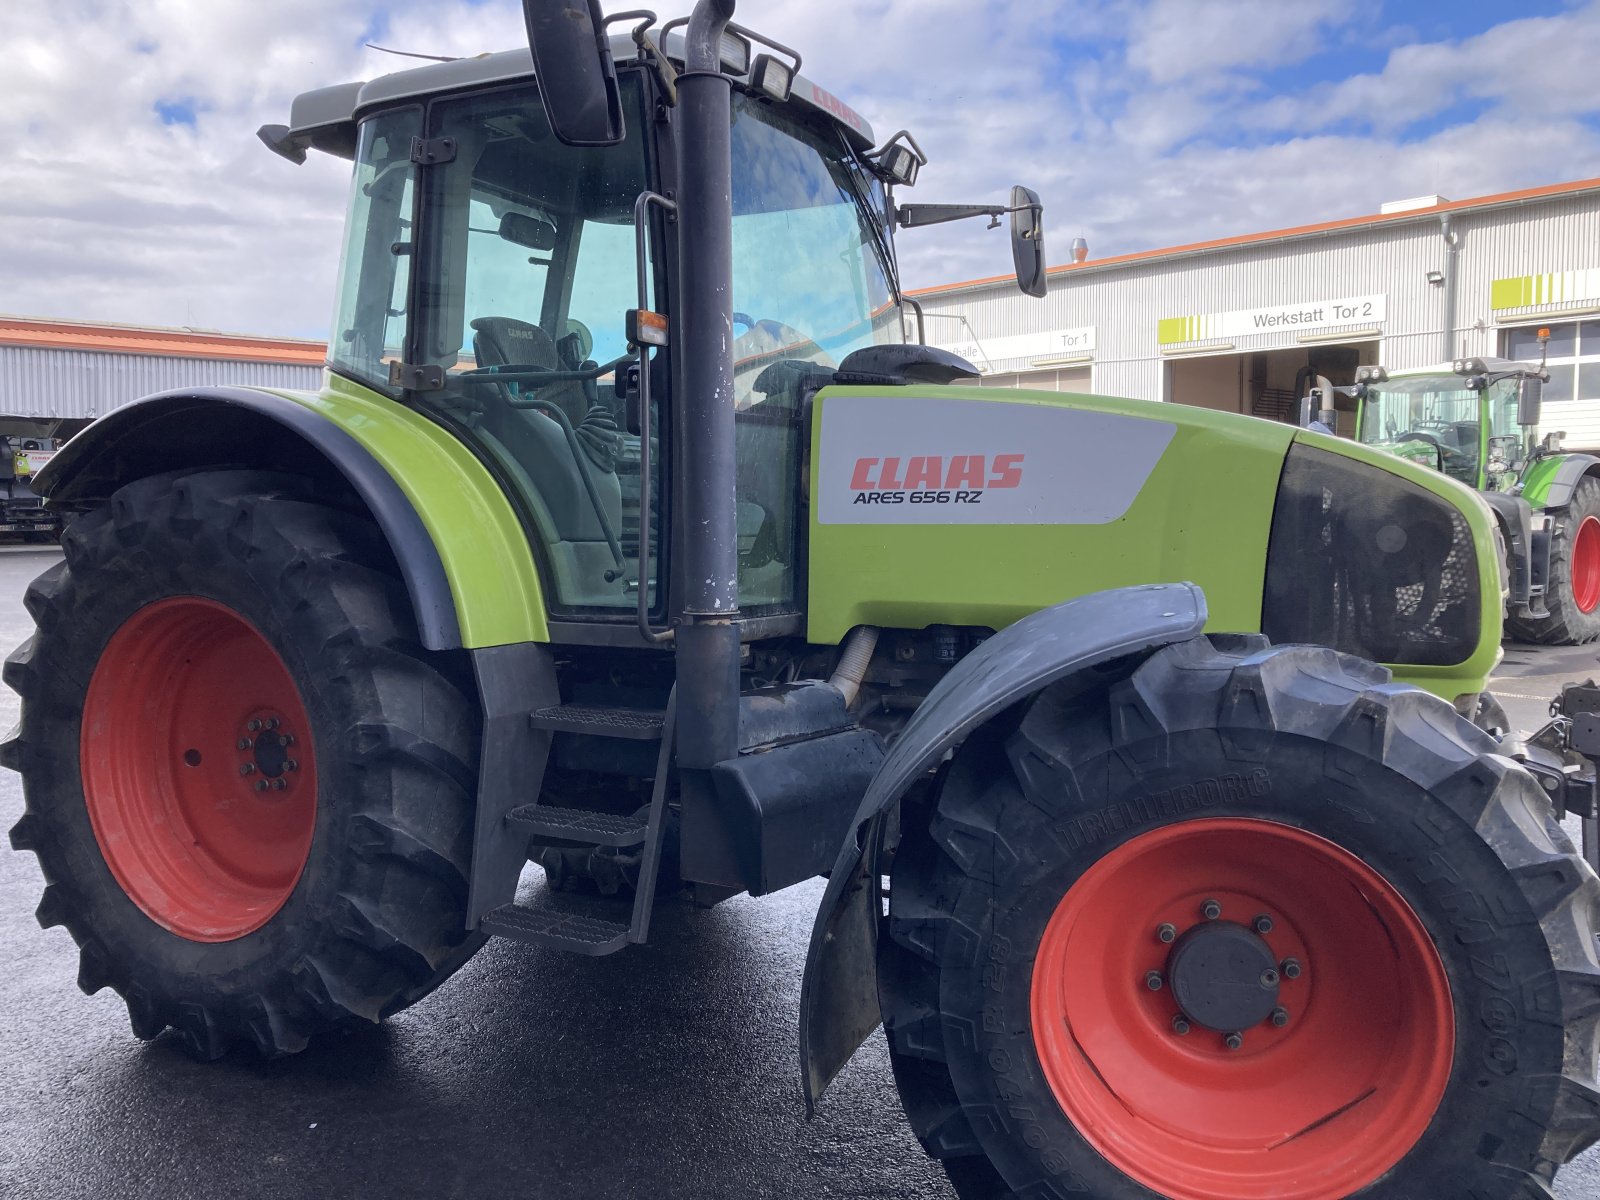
(910, 460)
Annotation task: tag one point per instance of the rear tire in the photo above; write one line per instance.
(192, 612)
(1572, 594)
(1441, 1038)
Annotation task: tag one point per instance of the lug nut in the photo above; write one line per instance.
(1211, 910)
(1290, 968)
(288, 740)
(243, 743)
(246, 768)
(279, 784)
(282, 740)
(1280, 1017)
(1233, 1041)
(1153, 980)
(253, 725)
(1180, 1026)
(1263, 924)
(272, 722)
(1269, 978)
(290, 764)
(1166, 933)
(261, 785)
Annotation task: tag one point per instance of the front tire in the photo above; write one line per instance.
(250, 790)
(1572, 595)
(1401, 932)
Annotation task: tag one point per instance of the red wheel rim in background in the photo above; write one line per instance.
(1314, 1110)
(198, 769)
(1585, 565)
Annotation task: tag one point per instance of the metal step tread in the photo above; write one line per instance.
(600, 720)
(553, 927)
(581, 825)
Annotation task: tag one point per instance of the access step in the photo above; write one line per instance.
(580, 825)
(595, 720)
(579, 933)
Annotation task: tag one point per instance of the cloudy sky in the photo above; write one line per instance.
(135, 190)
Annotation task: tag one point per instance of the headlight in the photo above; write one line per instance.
(1369, 563)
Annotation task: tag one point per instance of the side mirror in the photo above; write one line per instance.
(573, 68)
(1530, 400)
(1027, 240)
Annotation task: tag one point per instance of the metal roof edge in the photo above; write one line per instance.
(1553, 191)
(42, 333)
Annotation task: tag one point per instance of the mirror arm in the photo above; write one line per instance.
(914, 216)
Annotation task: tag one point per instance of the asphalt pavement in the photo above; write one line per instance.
(669, 1071)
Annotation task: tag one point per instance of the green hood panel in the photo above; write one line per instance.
(1079, 494)
(1192, 500)
(481, 543)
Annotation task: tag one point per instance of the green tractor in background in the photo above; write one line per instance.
(1476, 420)
(629, 537)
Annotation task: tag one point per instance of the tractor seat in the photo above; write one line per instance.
(535, 440)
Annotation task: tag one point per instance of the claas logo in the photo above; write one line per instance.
(963, 471)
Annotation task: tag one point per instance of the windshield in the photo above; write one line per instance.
(1434, 419)
(809, 277)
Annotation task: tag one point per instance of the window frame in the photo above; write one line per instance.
(1577, 360)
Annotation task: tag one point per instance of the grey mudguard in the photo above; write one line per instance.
(1568, 474)
(838, 998)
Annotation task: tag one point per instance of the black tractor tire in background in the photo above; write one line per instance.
(200, 573)
(1572, 595)
(1204, 755)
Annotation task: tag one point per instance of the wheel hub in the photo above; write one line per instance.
(266, 749)
(1224, 976)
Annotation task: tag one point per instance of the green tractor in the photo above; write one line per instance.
(1476, 420)
(629, 537)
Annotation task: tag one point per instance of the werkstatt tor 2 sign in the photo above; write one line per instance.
(1282, 318)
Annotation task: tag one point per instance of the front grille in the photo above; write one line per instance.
(1370, 563)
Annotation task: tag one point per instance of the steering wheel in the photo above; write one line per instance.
(1421, 435)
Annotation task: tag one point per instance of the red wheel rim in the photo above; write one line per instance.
(198, 770)
(1312, 1110)
(1586, 565)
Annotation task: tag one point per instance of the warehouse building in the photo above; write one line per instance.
(56, 376)
(1238, 324)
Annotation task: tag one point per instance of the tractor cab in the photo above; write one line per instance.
(501, 275)
(1469, 423)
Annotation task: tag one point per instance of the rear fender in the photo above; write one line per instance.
(838, 997)
(462, 555)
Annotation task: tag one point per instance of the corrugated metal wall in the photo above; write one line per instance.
(1125, 302)
(38, 382)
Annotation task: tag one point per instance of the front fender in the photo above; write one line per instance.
(1550, 481)
(838, 997)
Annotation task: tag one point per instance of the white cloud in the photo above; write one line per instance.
(1123, 115)
(1176, 40)
(1532, 67)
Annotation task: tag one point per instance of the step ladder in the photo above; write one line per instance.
(567, 923)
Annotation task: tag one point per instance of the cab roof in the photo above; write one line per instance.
(1496, 366)
(325, 119)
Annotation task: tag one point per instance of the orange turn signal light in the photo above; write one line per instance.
(646, 328)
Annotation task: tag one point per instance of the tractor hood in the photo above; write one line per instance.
(969, 506)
